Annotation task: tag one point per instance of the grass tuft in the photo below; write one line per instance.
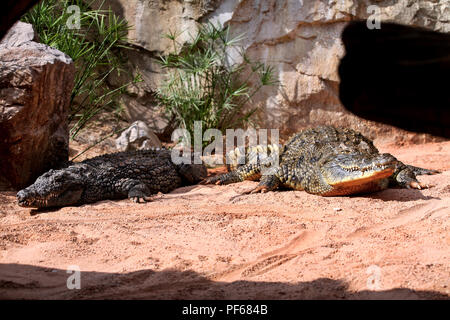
(95, 49)
(204, 83)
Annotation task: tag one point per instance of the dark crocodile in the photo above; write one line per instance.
(327, 161)
(136, 175)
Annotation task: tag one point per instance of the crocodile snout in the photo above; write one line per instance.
(22, 198)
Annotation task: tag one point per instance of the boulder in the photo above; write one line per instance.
(35, 87)
(137, 137)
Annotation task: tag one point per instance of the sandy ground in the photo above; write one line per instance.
(199, 242)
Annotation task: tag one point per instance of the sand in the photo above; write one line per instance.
(203, 242)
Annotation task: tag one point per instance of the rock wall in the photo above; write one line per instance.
(300, 38)
(35, 86)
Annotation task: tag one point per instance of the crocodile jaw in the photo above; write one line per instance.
(363, 178)
(376, 181)
(54, 188)
(30, 199)
(357, 174)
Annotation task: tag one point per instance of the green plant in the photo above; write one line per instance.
(95, 49)
(204, 84)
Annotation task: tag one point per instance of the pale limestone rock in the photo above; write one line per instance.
(19, 34)
(137, 137)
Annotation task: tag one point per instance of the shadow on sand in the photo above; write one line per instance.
(31, 282)
(400, 194)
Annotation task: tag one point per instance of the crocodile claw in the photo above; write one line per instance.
(257, 189)
(138, 199)
(211, 180)
(419, 185)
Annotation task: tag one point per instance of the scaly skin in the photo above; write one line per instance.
(136, 175)
(329, 162)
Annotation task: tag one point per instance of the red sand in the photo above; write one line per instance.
(199, 243)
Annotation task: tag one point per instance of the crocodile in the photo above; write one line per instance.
(325, 161)
(133, 174)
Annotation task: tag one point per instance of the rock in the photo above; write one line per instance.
(137, 137)
(152, 19)
(35, 87)
(300, 39)
(19, 34)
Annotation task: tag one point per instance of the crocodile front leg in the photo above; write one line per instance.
(267, 183)
(247, 172)
(405, 176)
(135, 190)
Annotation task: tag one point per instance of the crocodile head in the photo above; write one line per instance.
(54, 188)
(351, 173)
